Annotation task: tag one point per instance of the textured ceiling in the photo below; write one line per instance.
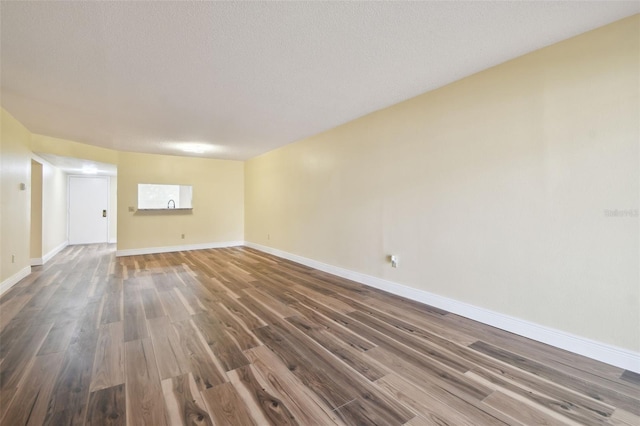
(247, 77)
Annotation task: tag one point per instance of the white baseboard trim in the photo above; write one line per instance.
(609, 354)
(39, 261)
(14, 279)
(113, 241)
(169, 249)
(47, 257)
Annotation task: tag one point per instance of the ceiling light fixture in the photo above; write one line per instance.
(195, 147)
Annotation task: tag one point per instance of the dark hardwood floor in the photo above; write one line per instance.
(237, 337)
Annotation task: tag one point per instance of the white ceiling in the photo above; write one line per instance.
(247, 77)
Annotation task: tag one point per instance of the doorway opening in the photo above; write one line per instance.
(63, 220)
(88, 210)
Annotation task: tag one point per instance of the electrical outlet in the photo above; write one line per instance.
(394, 260)
(182, 236)
(13, 258)
(268, 236)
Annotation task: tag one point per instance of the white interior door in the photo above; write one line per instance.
(88, 210)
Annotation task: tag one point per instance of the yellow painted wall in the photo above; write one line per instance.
(48, 208)
(113, 208)
(35, 248)
(218, 201)
(54, 208)
(15, 168)
(491, 190)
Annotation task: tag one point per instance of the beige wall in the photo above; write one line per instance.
(492, 190)
(15, 168)
(113, 208)
(35, 248)
(218, 201)
(54, 208)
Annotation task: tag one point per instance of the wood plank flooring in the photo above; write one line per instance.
(237, 337)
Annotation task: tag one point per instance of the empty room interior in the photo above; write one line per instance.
(320, 213)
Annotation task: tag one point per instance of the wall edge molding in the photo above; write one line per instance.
(47, 257)
(616, 356)
(170, 249)
(36, 261)
(14, 279)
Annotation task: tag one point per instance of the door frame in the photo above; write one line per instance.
(69, 177)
